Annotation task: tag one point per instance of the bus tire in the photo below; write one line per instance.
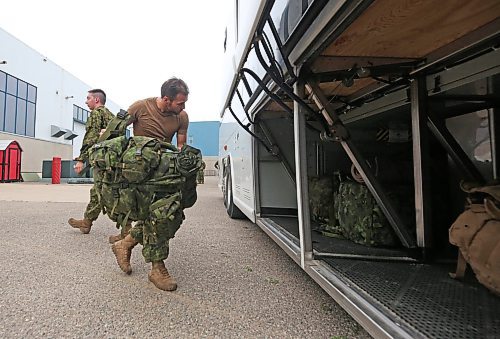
(232, 210)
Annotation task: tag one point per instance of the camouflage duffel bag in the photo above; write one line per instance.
(189, 161)
(359, 218)
(142, 157)
(105, 156)
(119, 202)
(133, 173)
(321, 203)
(137, 172)
(476, 232)
(167, 212)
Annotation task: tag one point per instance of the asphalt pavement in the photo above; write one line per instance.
(233, 280)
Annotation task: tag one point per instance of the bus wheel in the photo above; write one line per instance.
(232, 210)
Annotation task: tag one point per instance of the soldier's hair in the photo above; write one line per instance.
(100, 94)
(172, 87)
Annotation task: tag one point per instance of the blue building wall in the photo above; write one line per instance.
(203, 135)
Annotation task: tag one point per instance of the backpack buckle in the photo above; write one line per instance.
(122, 114)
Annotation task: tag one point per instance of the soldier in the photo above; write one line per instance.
(98, 119)
(161, 118)
(200, 176)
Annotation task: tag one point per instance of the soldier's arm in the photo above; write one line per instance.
(182, 131)
(134, 112)
(181, 140)
(92, 131)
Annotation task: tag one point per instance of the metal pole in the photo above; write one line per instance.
(494, 121)
(421, 176)
(299, 130)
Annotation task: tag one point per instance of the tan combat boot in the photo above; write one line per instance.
(84, 225)
(123, 250)
(160, 278)
(114, 238)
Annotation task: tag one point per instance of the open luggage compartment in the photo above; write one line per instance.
(404, 96)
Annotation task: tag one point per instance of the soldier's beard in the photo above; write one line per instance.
(170, 110)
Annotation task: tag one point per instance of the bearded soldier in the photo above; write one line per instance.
(160, 118)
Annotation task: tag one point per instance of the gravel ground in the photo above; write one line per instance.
(234, 281)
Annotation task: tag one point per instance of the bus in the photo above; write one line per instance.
(349, 132)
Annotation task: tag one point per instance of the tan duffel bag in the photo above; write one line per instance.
(476, 232)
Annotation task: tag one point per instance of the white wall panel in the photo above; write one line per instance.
(57, 92)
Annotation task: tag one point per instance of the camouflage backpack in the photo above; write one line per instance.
(138, 178)
(116, 127)
(358, 216)
(321, 194)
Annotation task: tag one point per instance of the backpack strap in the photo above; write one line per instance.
(491, 190)
(461, 266)
(115, 126)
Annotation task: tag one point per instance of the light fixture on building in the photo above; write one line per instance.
(56, 131)
(70, 135)
(69, 97)
(3, 62)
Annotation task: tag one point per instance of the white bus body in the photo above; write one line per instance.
(402, 96)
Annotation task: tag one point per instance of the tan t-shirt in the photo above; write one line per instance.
(149, 121)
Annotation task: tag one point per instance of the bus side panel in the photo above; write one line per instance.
(238, 36)
(236, 144)
(276, 182)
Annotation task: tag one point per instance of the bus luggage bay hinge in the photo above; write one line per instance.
(337, 129)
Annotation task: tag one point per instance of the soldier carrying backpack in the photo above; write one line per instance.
(148, 180)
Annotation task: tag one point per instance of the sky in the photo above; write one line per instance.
(129, 48)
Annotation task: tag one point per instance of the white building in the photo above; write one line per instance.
(42, 106)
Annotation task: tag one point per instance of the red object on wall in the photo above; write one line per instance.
(10, 161)
(56, 170)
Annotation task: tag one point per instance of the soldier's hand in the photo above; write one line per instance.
(78, 167)
(102, 131)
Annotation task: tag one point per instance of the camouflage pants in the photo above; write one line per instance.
(93, 207)
(125, 229)
(154, 237)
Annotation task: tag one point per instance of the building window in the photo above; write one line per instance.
(80, 114)
(17, 105)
